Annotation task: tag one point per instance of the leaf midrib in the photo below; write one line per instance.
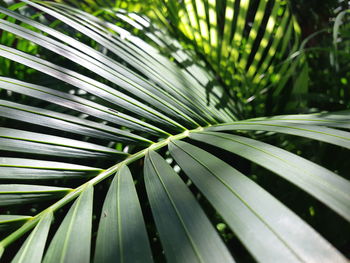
(177, 212)
(282, 126)
(323, 182)
(246, 204)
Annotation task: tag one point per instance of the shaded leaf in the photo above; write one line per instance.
(122, 235)
(323, 184)
(12, 221)
(33, 248)
(71, 242)
(329, 135)
(29, 169)
(186, 233)
(16, 194)
(268, 229)
(38, 143)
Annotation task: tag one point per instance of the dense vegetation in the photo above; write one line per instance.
(177, 131)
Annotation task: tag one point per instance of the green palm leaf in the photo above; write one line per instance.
(30, 169)
(33, 248)
(127, 240)
(17, 194)
(185, 231)
(122, 97)
(257, 218)
(72, 240)
(308, 176)
(12, 221)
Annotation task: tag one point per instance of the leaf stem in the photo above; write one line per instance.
(74, 193)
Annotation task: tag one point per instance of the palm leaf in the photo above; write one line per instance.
(185, 231)
(249, 210)
(12, 221)
(33, 248)
(72, 240)
(243, 46)
(114, 93)
(127, 240)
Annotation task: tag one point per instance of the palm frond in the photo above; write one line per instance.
(138, 107)
(246, 42)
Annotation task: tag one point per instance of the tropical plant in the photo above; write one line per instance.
(124, 148)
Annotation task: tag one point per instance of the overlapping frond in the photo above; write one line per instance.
(247, 42)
